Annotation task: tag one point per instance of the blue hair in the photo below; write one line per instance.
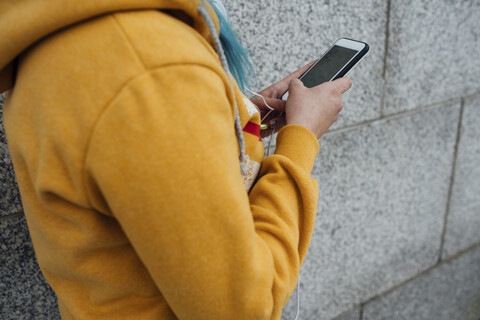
(237, 56)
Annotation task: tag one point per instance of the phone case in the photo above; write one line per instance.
(354, 61)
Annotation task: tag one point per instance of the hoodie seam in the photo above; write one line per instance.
(128, 40)
(107, 106)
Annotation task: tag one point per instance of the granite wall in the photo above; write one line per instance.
(397, 230)
(397, 234)
(24, 293)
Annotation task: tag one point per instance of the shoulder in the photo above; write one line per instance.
(159, 39)
(85, 66)
(110, 50)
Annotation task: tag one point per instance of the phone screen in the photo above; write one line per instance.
(328, 66)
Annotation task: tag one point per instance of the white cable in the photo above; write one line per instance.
(298, 297)
(259, 95)
(264, 101)
(268, 153)
(270, 141)
(264, 117)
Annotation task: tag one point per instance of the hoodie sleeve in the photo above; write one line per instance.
(164, 162)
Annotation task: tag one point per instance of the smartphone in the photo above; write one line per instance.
(335, 63)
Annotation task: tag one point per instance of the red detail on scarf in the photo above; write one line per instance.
(253, 128)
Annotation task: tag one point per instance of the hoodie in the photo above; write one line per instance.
(125, 131)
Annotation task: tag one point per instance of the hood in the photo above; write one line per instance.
(28, 21)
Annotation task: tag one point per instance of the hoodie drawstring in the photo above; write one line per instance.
(218, 47)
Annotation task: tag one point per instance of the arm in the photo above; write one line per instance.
(165, 163)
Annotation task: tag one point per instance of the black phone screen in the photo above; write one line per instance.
(328, 66)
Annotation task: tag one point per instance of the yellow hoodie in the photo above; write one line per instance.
(120, 121)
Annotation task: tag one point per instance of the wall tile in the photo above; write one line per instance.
(464, 215)
(9, 196)
(432, 52)
(24, 293)
(290, 311)
(383, 195)
(285, 35)
(351, 315)
(449, 292)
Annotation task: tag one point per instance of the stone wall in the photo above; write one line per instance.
(24, 293)
(397, 231)
(397, 234)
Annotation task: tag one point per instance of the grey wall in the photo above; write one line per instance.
(24, 293)
(397, 231)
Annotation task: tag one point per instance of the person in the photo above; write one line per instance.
(141, 166)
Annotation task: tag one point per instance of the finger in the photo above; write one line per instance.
(274, 125)
(280, 87)
(269, 103)
(277, 104)
(295, 84)
(298, 73)
(277, 123)
(342, 85)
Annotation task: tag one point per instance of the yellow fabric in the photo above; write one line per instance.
(120, 125)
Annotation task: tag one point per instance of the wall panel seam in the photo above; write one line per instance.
(398, 115)
(11, 216)
(385, 54)
(452, 180)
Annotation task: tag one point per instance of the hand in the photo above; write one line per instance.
(276, 119)
(316, 108)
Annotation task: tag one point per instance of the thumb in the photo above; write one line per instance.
(295, 84)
